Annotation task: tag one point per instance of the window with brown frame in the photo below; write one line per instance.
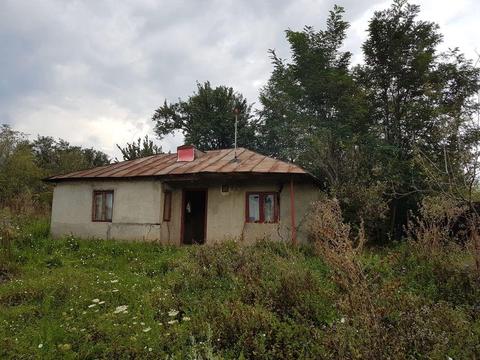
(262, 207)
(167, 205)
(102, 207)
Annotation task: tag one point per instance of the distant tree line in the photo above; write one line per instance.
(24, 163)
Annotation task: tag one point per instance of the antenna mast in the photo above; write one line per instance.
(236, 110)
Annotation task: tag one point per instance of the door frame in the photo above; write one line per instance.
(182, 227)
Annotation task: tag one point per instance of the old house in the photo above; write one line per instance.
(185, 198)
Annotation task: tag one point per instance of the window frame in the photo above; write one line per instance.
(104, 207)
(167, 194)
(261, 210)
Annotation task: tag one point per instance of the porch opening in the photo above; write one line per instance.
(194, 216)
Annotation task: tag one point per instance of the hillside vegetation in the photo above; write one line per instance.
(71, 298)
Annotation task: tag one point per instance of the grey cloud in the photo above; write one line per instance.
(93, 71)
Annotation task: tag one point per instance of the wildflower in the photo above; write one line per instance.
(121, 309)
(173, 313)
(115, 290)
(92, 305)
(171, 322)
(101, 302)
(150, 349)
(147, 329)
(96, 300)
(342, 320)
(40, 346)
(114, 281)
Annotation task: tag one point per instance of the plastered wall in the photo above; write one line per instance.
(138, 211)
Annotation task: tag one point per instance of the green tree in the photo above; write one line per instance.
(420, 101)
(141, 148)
(207, 119)
(19, 174)
(58, 156)
(314, 113)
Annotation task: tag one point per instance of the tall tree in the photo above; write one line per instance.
(314, 101)
(206, 118)
(420, 101)
(314, 113)
(141, 148)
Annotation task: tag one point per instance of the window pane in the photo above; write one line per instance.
(269, 208)
(97, 214)
(253, 207)
(108, 206)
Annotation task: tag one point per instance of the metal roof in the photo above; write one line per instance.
(209, 162)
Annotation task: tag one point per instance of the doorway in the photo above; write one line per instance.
(194, 216)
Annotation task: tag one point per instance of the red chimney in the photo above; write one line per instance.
(188, 153)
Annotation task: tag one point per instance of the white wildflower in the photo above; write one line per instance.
(92, 305)
(147, 329)
(114, 281)
(186, 318)
(96, 300)
(171, 322)
(173, 313)
(121, 309)
(342, 320)
(40, 346)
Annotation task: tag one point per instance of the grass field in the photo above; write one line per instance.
(70, 298)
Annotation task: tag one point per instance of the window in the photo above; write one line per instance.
(167, 205)
(102, 205)
(262, 207)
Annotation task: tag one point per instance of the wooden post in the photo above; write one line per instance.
(292, 213)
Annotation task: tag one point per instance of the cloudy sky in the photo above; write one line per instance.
(93, 72)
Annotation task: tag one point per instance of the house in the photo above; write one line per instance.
(184, 198)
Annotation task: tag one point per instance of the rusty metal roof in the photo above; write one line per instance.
(213, 161)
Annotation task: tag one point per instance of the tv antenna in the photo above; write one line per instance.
(236, 111)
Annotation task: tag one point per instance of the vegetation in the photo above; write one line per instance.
(141, 148)
(395, 142)
(206, 118)
(377, 134)
(75, 298)
(24, 163)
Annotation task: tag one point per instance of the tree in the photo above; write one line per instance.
(206, 118)
(19, 174)
(314, 113)
(139, 149)
(420, 101)
(58, 156)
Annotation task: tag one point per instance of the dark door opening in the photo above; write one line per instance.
(194, 214)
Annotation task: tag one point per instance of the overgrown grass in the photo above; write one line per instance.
(73, 298)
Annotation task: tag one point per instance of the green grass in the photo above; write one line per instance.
(64, 299)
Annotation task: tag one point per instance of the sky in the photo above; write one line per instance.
(92, 72)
